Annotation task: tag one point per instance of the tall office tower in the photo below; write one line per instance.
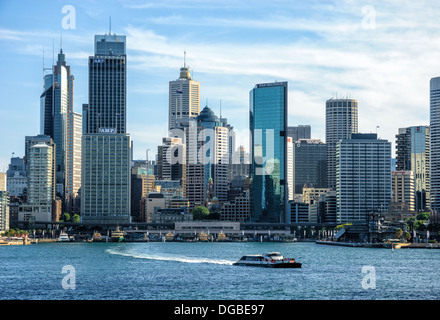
(207, 165)
(106, 147)
(41, 183)
(55, 101)
(4, 211)
(341, 121)
(435, 143)
(268, 128)
(412, 154)
(310, 164)
(403, 188)
(171, 160)
(184, 98)
(299, 132)
(16, 177)
(73, 162)
(363, 184)
(290, 169)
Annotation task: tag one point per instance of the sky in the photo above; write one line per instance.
(381, 53)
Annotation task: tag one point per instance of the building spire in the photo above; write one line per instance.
(110, 26)
(184, 59)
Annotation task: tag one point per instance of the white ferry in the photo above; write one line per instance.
(269, 260)
(64, 237)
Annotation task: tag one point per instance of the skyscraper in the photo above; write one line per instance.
(341, 120)
(55, 101)
(310, 164)
(73, 162)
(299, 132)
(412, 154)
(106, 147)
(363, 172)
(184, 98)
(435, 143)
(41, 183)
(207, 166)
(268, 128)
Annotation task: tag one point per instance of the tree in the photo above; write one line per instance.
(423, 216)
(75, 218)
(200, 213)
(65, 216)
(407, 236)
(398, 234)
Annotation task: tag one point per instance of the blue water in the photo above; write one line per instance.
(202, 271)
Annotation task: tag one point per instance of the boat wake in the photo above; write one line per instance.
(170, 258)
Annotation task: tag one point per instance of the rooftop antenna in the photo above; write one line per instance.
(184, 59)
(220, 109)
(110, 26)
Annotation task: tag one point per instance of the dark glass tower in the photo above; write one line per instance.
(106, 147)
(268, 128)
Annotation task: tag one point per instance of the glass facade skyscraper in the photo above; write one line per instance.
(268, 128)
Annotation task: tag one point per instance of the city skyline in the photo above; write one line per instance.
(385, 63)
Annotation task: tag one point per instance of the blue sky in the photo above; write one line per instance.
(382, 53)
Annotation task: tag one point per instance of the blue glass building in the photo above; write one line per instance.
(268, 129)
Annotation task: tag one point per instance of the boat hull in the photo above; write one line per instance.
(285, 265)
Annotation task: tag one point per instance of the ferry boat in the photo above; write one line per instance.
(97, 237)
(222, 237)
(268, 260)
(117, 235)
(64, 237)
(203, 236)
(169, 236)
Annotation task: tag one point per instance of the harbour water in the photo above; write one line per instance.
(204, 271)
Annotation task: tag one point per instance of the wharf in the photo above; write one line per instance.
(399, 245)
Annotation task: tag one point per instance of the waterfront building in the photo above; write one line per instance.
(299, 132)
(16, 182)
(4, 210)
(363, 177)
(290, 166)
(268, 128)
(184, 98)
(435, 143)
(106, 146)
(154, 200)
(341, 120)
(41, 184)
(142, 183)
(310, 164)
(403, 188)
(412, 154)
(298, 213)
(238, 209)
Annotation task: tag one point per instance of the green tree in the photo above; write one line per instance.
(200, 213)
(407, 236)
(423, 216)
(75, 218)
(398, 234)
(65, 217)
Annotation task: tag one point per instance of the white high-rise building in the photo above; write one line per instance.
(73, 162)
(363, 177)
(341, 120)
(184, 98)
(41, 184)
